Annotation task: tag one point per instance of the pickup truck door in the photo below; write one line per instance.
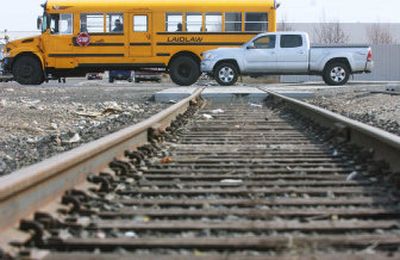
(292, 54)
(260, 55)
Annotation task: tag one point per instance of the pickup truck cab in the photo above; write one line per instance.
(287, 53)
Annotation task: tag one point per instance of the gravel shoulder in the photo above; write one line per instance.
(37, 122)
(379, 110)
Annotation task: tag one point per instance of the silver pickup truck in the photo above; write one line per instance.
(287, 53)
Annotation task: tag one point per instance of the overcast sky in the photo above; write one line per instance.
(20, 15)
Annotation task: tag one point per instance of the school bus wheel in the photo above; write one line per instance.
(184, 70)
(27, 70)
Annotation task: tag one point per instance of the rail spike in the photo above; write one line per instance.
(35, 227)
(105, 183)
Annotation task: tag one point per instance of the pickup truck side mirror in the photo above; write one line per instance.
(250, 46)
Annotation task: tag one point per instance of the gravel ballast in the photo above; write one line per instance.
(37, 122)
(375, 109)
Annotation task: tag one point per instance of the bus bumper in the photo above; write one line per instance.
(6, 64)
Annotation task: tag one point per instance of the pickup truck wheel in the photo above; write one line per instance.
(226, 74)
(184, 70)
(27, 70)
(336, 74)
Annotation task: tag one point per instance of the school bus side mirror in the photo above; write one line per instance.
(39, 23)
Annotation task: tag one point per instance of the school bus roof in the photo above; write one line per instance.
(166, 5)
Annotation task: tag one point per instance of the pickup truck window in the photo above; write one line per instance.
(291, 41)
(265, 42)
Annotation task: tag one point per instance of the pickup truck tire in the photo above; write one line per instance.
(184, 70)
(226, 74)
(336, 74)
(27, 70)
(111, 80)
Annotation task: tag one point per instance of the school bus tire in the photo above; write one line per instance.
(27, 70)
(184, 70)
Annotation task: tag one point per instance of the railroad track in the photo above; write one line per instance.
(280, 181)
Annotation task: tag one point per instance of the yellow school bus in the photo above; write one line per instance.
(82, 36)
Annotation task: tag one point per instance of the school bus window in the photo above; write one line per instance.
(233, 22)
(194, 22)
(140, 23)
(174, 22)
(61, 24)
(115, 23)
(92, 23)
(54, 18)
(256, 22)
(66, 24)
(213, 22)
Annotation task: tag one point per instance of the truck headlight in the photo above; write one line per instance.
(209, 56)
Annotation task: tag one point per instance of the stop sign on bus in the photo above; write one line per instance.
(83, 39)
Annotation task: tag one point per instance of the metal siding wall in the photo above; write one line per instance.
(387, 66)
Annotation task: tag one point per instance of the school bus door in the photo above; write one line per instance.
(58, 39)
(140, 37)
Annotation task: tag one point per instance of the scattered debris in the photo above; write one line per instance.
(231, 181)
(75, 139)
(218, 111)
(130, 234)
(256, 105)
(53, 126)
(207, 116)
(166, 160)
(31, 102)
(352, 176)
(88, 114)
(3, 166)
(111, 111)
(101, 235)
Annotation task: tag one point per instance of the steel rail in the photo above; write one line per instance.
(386, 146)
(25, 190)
